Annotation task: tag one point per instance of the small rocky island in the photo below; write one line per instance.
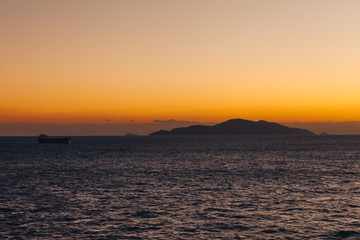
(236, 127)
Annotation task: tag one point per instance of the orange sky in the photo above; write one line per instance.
(205, 60)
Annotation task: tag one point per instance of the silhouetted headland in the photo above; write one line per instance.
(237, 127)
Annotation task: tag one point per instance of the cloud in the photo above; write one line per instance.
(173, 121)
(118, 129)
(101, 127)
(348, 127)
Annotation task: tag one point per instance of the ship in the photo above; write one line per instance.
(43, 138)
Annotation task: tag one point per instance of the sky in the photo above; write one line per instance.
(86, 62)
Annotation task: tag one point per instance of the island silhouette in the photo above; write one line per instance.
(236, 127)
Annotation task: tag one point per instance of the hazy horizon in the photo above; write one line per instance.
(118, 129)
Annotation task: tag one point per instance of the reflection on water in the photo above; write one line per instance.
(181, 188)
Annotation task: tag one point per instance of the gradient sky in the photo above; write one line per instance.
(84, 61)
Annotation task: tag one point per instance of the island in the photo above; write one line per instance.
(236, 127)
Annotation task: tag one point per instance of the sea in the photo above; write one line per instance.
(189, 187)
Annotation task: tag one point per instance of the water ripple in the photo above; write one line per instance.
(181, 188)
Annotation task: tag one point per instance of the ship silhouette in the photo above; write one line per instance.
(43, 138)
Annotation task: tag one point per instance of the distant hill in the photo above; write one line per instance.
(237, 127)
(131, 135)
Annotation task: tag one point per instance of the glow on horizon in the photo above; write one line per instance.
(85, 61)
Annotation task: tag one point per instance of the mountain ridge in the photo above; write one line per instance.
(236, 127)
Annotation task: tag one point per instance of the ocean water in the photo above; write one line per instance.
(224, 187)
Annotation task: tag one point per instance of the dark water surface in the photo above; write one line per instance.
(181, 188)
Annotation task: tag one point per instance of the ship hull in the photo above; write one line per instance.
(64, 140)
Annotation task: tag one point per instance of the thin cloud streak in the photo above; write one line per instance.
(113, 129)
(346, 127)
(101, 129)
